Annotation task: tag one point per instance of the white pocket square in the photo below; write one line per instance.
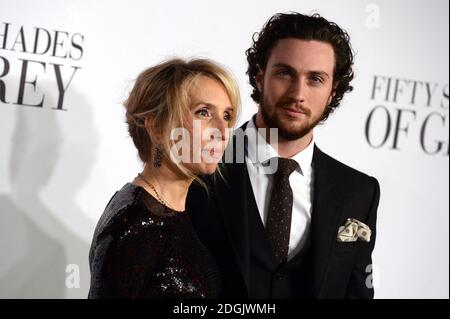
(354, 230)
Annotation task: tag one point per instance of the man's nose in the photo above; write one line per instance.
(298, 90)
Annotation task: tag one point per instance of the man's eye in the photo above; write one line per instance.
(283, 73)
(317, 79)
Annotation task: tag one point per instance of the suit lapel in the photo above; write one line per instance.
(232, 201)
(325, 218)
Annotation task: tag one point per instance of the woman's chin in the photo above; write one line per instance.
(207, 168)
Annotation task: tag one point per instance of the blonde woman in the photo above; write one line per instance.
(144, 244)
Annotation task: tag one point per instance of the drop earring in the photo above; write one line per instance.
(158, 156)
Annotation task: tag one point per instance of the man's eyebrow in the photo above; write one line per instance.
(283, 65)
(322, 73)
(315, 72)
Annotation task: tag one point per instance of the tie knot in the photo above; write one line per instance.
(286, 166)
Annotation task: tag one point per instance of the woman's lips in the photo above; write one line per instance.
(213, 153)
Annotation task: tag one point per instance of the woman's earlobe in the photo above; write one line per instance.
(147, 124)
(151, 128)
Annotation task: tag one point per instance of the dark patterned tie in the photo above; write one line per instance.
(280, 209)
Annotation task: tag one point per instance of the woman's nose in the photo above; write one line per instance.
(222, 126)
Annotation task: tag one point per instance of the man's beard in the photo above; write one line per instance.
(288, 130)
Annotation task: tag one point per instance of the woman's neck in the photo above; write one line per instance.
(169, 185)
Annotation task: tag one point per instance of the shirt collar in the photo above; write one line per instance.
(259, 151)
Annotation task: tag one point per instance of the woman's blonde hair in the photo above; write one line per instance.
(162, 94)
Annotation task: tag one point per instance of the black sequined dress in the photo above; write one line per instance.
(143, 249)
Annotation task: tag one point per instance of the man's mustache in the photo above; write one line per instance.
(295, 106)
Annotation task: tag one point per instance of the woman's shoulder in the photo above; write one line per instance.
(128, 210)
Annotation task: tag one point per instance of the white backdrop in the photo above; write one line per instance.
(58, 168)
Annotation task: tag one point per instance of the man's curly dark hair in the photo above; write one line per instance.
(299, 26)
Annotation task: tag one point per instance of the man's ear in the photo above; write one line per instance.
(330, 98)
(259, 78)
(333, 93)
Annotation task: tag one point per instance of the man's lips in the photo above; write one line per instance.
(293, 111)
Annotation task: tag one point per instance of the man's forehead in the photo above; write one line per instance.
(299, 54)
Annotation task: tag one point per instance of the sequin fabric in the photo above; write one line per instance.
(143, 249)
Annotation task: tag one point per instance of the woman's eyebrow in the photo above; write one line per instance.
(211, 105)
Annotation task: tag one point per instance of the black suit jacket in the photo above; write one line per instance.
(337, 269)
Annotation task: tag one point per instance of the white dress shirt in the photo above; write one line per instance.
(301, 181)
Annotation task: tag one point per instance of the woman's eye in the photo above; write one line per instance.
(228, 117)
(202, 112)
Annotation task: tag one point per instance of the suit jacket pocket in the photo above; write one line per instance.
(344, 248)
